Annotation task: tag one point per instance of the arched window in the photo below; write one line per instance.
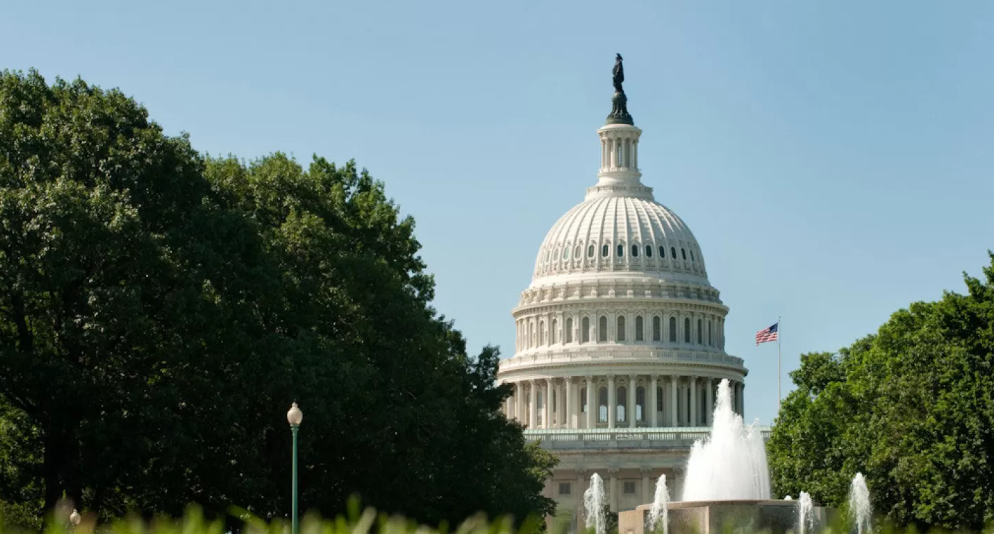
(692, 255)
(590, 251)
(622, 404)
(683, 252)
(555, 333)
(605, 250)
(576, 253)
(710, 339)
(569, 330)
(602, 405)
(672, 329)
(640, 404)
(565, 253)
(621, 250)
(686, 330)
(700, 332)
(639, 329)
(548, 254)
(673, 252)
(648, 251)
(585, 330)
(620, 334)
(635, 251)
(662, 251)
(659, 399)
(657, 327)
(602, 329)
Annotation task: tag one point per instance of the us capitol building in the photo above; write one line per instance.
(620, 336)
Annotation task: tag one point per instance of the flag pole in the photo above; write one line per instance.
(778, 365)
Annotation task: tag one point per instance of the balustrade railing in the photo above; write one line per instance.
(621, 438)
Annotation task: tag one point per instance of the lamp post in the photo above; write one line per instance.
(294, 417)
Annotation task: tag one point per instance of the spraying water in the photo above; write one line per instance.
(805, 514)
(730, 464)
(788, 498)
(859, 504)
(659, 510)
(593, 503)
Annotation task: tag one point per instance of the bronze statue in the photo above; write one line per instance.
(619, 74)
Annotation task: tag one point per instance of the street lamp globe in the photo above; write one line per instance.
(74, 517)
(294, 416)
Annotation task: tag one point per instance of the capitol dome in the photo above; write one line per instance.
(620, 343)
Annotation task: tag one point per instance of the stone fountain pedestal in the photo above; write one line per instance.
(706, 517)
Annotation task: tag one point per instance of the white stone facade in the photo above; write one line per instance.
(620, 339)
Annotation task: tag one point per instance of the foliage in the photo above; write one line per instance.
(159, 311)
(911, 407)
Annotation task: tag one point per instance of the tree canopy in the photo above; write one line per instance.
(160, 310)
(911, 407)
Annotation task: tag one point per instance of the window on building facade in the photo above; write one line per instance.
(602, 329)
(629, 488)
(683, 252)
(583, 400)
(710, 339)
(555, 331)
(700, 332)
(692, 256)
(635, 251)
(648, 251)
(621, 250)
(620, 335)
(640, 404)
(569, 330)
(585, 330)
(621, 407)
(659, 399)
(576, 253)
(605, 250)
(566, 253)
(686, 330)
(639, 329)
(541, 333)
(672, 329)
(590, 251)
(673, 252)
(657, 327)
(564, 488)
(602, 405)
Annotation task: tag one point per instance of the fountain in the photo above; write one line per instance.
(593, 503)
(805, 519)
(728, 486)
(859, 504)
(660, 507)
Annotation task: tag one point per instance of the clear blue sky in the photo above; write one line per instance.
(833, 158)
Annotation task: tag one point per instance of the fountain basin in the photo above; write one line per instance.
(705, 517)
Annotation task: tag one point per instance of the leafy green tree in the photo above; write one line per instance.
(911, 407)
(159, 311)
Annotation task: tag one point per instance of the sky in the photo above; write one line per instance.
(833, 158)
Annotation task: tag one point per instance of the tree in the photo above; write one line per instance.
(911, 407)
(159, 311)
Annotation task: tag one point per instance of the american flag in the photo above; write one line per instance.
(767, 334)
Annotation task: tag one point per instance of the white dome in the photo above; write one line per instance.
(620, 233)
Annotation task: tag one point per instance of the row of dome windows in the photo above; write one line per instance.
(620, 332)
(606, 251)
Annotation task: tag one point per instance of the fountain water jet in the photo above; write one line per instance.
(593, 503)
(660, 506)
(859, 504)
(805, 509)
(730, 464)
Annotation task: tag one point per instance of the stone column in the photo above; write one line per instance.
(579, 515)
(547, 405)
(613, 489)
(647, 494)
(694, 421)
(710, 401)
(532, 404)
(567, 421)
(519, 401)
(653, 417)
(591, 398)
(612, 408)
(742, 399)
(631, 401)
(674, 413)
